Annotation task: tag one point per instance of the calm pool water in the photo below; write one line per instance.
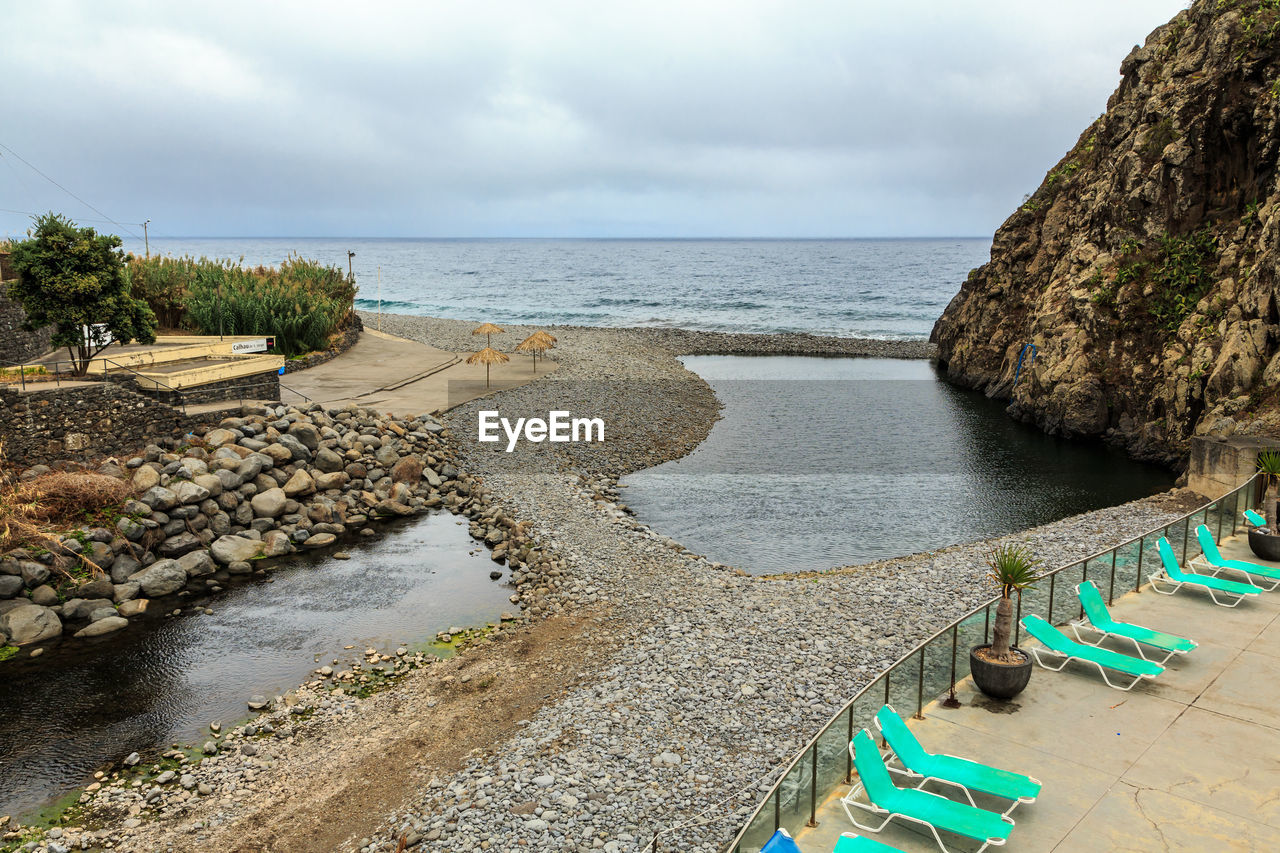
(828, 462)
(83, 704)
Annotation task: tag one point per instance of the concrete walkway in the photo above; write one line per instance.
(392, 374)
(1189, 762)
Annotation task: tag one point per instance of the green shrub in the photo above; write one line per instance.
(302, 303)
(164, 283)
(1181, 275)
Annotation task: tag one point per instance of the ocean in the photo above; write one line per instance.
(892, 289)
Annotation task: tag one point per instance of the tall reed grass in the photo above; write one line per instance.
(301, 302)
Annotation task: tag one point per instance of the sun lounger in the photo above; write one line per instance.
(935, 812)
(850, 843)
(1058, 643)
(962, 773)
(1169, 573)
(1100, 621)
(1252, 518)
(1212, 559)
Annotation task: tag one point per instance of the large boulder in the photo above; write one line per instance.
(33, 574)
(124, 567)
(10, 585)
(163, 577)
(334, 480)
(278, 453)
(219, 437)
(275, 543)
(251, 467)
(305, 433)
(130, 529)
(387, 455)
(97, 588)
(197, 563)
(235, 549)
(158, 497)
(299, 484)
(146, 478)
(211, 483)
(30, 624)
(176, 546)
(189, 492)
(407, 470)
(102, 626)
(269, 504)
(229, 479)
(297, 449)
(328, 461)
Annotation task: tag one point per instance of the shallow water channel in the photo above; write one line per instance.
(161, 681)
(822, 462)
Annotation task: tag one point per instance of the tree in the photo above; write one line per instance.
(74, 279)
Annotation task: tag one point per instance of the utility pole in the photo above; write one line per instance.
(351, 275)
(145, 239)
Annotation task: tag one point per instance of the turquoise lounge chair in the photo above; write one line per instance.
(850, 843)
(935, 812)
(1059, 643)
(1100, 621)
(1212, 558)
(1169, 573)
(1254, 519)
(963, 773)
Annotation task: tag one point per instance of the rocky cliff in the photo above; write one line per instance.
(1144, 268)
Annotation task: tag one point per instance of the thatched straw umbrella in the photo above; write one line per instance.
(535, 345)
(488, 356)
(487, 329)
(546, 336)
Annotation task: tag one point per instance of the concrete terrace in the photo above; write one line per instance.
(393, 374)
(1187, 762)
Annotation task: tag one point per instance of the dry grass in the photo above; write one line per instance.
(34, 512)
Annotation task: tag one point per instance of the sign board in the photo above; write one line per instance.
(256, 345)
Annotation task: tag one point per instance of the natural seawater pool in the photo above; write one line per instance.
(822, 462)
(163, 680)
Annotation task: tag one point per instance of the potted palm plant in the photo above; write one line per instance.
(1265, 541)
(1000, 669)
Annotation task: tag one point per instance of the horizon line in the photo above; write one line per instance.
(568, 237)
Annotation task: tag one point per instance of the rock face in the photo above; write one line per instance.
(1143, 269)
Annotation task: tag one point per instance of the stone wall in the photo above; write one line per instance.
(1218, 465)
(17, 345)
(84, 422)
(257, 386)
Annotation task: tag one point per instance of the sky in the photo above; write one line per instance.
(755, 118)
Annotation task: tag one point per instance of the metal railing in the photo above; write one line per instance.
(174, 398)
(53, 368)
(933, 667)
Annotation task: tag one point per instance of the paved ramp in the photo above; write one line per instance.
(396, 375)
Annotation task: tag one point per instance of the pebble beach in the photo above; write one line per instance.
(644, 690)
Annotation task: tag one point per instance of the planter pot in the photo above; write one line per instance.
(999, 680)
(1265, 545)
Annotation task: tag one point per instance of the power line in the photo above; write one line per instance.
(106, 218)
(78, 218)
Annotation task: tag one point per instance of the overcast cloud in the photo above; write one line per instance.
(748, 118)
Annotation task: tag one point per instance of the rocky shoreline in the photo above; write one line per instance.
(260, 486)
(680, 683)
